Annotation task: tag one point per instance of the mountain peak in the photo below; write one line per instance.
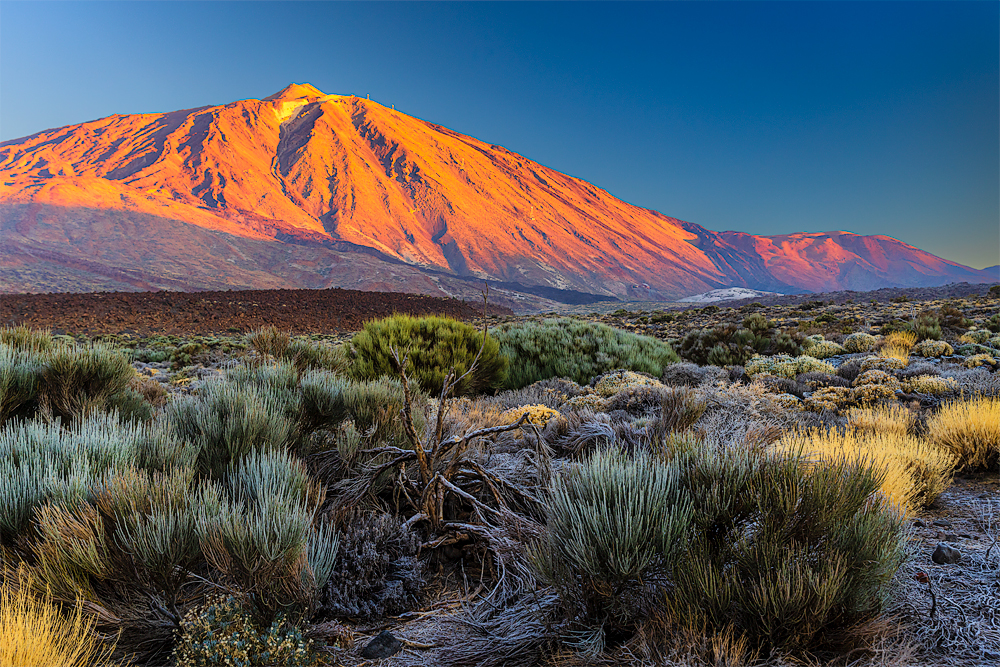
(295, 91)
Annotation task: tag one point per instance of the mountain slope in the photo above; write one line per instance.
(346, 175)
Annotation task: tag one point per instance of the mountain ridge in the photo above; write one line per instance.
(305, 169)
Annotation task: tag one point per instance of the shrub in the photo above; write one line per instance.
(435, 345)
(539, 415)
(20, 373)
(925, 326)
(829, 399)
(915, 472)
(785, 366)
(40, 461)
(304, 355)
(823, 349)
(226, 422)
(686, 374)
(76, 379)
(882, 363)
(969, 429)
(612, 521)
(378, 571)
(261, 536)
(977, 337)
(33, 631)
(978, 360)
(877, 377)
(930, 384)
(26, 339)
(933, 348)
(860, 342)
(609, 384)
(576, 350)
(221, 633)
(787, 553)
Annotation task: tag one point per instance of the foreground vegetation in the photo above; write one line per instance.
(741, 493)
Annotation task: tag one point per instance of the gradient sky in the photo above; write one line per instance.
(768, 118)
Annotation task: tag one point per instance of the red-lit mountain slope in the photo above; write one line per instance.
(286, 191)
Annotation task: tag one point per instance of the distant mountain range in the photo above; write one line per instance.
(304, 189)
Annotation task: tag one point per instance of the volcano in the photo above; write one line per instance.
(305, 189)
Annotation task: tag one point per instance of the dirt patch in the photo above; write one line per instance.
(189, 313)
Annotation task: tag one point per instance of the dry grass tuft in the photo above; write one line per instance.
(970, 430)
(34, 632)
(916, 472)
(884, 418)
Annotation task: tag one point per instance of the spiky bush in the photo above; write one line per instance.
(787, 553)
(227, 421)
(914, 472)
(34, 631)
(78, 379)
(259, 533)
(890, 418)
(969, 429)
(576, 350)
(434, 346)
(20, 375)
(221, 633)
(613, 521)
(860, 342)
(41, 461)
(26, 339)
(269, 342)
(609, 384)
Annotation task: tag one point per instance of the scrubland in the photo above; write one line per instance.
(718, 486)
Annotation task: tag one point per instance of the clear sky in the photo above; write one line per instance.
(769, 118)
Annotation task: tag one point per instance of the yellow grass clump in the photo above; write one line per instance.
(970, 430)
(900, 339)
(33, 632)
(916, 471)
(885, 418)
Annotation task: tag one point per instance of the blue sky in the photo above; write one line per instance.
(769, 118)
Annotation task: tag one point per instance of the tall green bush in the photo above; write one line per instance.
(577, 350)
(77, 379)
(435, 345)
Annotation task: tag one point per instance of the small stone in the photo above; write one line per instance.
(943, 523)
(945, 554)
(383, 646)
(951, 537)
(919, 523)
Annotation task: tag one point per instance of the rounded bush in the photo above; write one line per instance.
(970, 430)
(435, 345)
(860, 342)
(576, 350)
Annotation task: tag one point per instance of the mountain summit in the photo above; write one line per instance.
(289, 190)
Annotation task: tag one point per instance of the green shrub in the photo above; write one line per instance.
(43, 461)
(260, 533)
(435, 345)
(78, 379)
(222, 633)
(26, 340)
(860, 342)
(303, 354)
(612, 521)
(226, 422)
(20, 375)
(927, 326)
(933, 348)
(576, 350)
(787, 553)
